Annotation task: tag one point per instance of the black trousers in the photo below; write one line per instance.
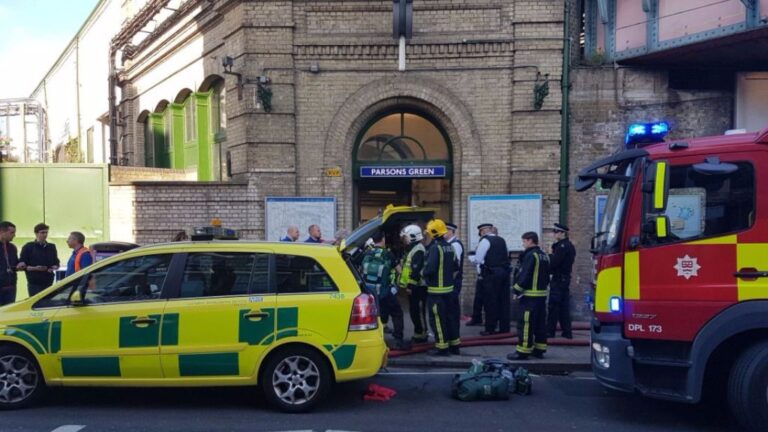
(532, 327)
(391, 308)
(418, 309)
(439, 318)
(477, 305)
(33, 289)
(7, 294)
(454, 312)
(496, 285)
(559, 309)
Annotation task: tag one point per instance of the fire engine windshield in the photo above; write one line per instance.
(607, 236)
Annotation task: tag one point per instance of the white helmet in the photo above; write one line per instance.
(413, 233)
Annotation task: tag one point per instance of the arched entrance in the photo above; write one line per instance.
(402, 157)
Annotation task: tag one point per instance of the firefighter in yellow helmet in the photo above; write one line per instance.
(439, 272)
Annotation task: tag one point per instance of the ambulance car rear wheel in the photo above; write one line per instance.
(748, 388)
(21, 381)
(295, 379)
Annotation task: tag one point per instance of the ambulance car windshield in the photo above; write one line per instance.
(608, 235)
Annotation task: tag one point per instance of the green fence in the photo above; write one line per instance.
(68, 197)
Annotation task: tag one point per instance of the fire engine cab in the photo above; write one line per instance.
(681, 291)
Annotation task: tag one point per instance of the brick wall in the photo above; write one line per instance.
(472, 65)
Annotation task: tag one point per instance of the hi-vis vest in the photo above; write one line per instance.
(406, 278)
(78, 257)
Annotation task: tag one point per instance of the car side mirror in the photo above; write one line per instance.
(656, 183)
(76, 299)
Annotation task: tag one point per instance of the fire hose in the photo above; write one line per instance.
(498, 339)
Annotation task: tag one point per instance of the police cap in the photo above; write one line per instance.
(560, 227)
(452, 226)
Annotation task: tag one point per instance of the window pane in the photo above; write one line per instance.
(60, 297)
(298, 274)
(710, 205)
(209, 274)
(190, 122)
(129, 280)
(402, 136)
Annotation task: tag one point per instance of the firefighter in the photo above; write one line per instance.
(377, 268)
(412, 281)
(439, 273)
(492, 259)
(531, 289)
(560, 263)
(458, 275)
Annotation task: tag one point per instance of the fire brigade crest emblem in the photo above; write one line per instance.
(687, 267)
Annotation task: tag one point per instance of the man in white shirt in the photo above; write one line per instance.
(492, 261)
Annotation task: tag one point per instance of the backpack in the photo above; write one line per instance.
(490, 379)
(376, 269)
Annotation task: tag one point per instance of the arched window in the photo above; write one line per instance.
(149, 139)
(403, 136)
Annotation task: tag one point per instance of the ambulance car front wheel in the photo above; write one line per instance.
(748, 388)
(21, 381)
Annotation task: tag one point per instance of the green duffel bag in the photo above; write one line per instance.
(481, 386)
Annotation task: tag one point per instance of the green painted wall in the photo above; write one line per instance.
(68, 197)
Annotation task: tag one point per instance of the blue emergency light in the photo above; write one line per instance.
(646, 133)
(615, 304)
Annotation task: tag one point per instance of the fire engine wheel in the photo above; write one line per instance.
(21, 381)
(748, 388)
(296, 379)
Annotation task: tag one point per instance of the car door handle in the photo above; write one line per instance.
(143, 321)
(256, 315)
(749, 273)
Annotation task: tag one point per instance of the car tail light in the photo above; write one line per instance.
(365, 314)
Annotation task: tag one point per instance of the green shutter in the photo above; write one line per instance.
(204, 139)
(177, 137)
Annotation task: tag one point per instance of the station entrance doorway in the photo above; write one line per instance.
(402, 157)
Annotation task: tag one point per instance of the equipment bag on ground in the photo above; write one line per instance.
(490, 380)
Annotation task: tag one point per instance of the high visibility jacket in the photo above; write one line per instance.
(533, 278)
(412, 267)
(79, 257)
(440, 267)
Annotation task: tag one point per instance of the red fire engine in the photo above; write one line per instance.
(681, 295)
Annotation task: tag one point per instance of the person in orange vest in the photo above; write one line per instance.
(81, 255)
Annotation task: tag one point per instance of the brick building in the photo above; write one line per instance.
(292, 98)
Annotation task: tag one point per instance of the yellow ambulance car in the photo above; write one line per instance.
(290, 317)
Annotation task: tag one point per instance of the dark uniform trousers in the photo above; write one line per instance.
(496, 285)
(446, 334)
(532, 327)
(477, 305)
(418, 309)
(559, 306)
(390, 306)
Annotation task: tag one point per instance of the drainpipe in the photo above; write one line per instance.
(112, 110)
(564, 133)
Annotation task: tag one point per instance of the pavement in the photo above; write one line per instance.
(563, 356)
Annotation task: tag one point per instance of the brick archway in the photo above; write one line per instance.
(399, 92)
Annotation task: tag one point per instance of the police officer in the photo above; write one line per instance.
(412, 281)
(531, 289)
(492, 259)
(454, 311)
(561, 263)
(439, 271)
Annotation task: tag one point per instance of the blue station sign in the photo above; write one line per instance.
(426, 171)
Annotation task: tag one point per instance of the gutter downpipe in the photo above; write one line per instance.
(564, 113)
(112, 109)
